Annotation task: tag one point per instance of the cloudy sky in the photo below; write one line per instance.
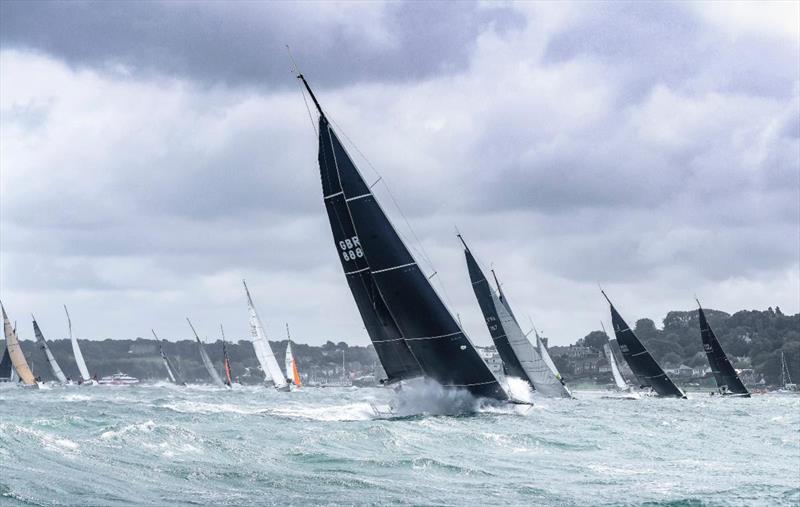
(154, 154)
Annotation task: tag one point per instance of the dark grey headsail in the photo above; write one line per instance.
(51, 360)
(642, 363)
(413, 332)
(174, 376)
(5, 366)
(725, 374)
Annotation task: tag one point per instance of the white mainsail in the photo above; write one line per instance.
(15, 352)
(264, 354)
(57, 373)
(543, 378)
(621, 384)
(76, 351)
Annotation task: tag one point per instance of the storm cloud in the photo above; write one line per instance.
(153, 154)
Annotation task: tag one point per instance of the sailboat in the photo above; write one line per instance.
(787, 386)
(414, 334)
(174, 376)
(51, 360)
(266, 358)
(728, 382)
(291, 365)
(642, 363)
(619, 381)
(226, 362)
(15, 353)
(76, 351)
(520, 358)
(550, 364)
(212, 372)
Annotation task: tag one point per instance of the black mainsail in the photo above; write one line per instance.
(642, 363)
(413, 332)
(725, 374)
(483, 293)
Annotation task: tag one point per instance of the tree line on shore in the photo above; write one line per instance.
(752, 339)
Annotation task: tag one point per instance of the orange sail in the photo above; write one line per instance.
(295, 375)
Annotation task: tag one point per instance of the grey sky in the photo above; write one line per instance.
(153, 154)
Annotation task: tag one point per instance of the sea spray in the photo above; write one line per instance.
(427, 397)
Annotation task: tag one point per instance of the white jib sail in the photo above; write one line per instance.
(621, 384)
(550, 364)
(529, 358)
(289, 361)
(264, 354)
(76, 351)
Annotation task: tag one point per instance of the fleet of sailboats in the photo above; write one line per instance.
(413, 332)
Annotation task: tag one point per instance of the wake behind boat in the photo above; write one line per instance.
(118, 379)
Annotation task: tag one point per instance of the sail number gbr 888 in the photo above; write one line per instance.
(351, 249)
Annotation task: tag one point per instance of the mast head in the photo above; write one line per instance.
(605, 296)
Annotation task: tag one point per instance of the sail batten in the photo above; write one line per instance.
(51, 360)
(15, 353)
(644, 366)
(724, 373)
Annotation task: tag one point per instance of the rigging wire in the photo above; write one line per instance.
(296, 72)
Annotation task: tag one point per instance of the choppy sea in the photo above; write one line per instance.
(165, 445)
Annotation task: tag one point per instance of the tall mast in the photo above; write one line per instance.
(313, 97)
